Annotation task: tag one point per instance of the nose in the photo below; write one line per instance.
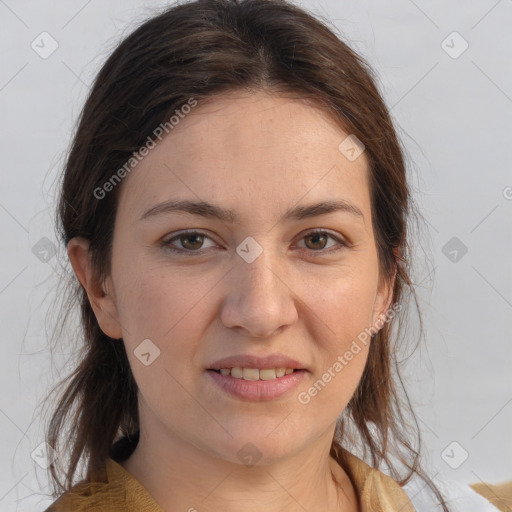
(260, 300)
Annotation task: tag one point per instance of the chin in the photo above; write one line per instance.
(258, 449)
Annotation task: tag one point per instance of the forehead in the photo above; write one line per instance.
(242, 148)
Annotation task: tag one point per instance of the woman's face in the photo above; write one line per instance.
(257, 284)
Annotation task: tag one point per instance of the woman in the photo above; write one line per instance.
(235, 208)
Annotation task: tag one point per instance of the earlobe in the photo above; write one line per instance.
(101, 299)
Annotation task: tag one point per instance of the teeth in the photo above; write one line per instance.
(255, 373)
(251, 374)
(267, 374)
(238, 373)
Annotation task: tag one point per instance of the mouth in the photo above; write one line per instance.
(257, 384)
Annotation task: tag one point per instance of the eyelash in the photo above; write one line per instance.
(321, 252)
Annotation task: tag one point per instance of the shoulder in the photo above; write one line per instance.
(84, 497)
(79, 502)
(500, 495)
(460, 497)
(116, 490)
(377, 489)
(99, 495)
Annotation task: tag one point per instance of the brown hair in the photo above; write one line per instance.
(199, 50)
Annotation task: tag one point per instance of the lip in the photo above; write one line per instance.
(257, 390)
(253, 361)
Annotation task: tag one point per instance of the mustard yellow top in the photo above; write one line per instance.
(120, 491)
(500, 495)
(114, 489)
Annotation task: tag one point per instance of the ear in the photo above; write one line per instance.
(383, 300)
(101, 299)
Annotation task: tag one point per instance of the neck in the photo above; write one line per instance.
(187, 478)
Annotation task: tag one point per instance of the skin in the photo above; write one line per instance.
(258, 154)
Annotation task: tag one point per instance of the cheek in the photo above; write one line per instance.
(342, 308)
(171, 308)
(160, 302)
(343, 351)
(343, 302)
(163, 306)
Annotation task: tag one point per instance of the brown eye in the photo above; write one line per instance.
(191, 242)
(316, 242)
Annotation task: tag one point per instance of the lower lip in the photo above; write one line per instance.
(257, 389)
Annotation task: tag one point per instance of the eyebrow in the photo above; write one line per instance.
(209, 210)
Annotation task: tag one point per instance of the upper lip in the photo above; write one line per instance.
(253, 361)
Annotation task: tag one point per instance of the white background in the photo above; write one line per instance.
(454, 116)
